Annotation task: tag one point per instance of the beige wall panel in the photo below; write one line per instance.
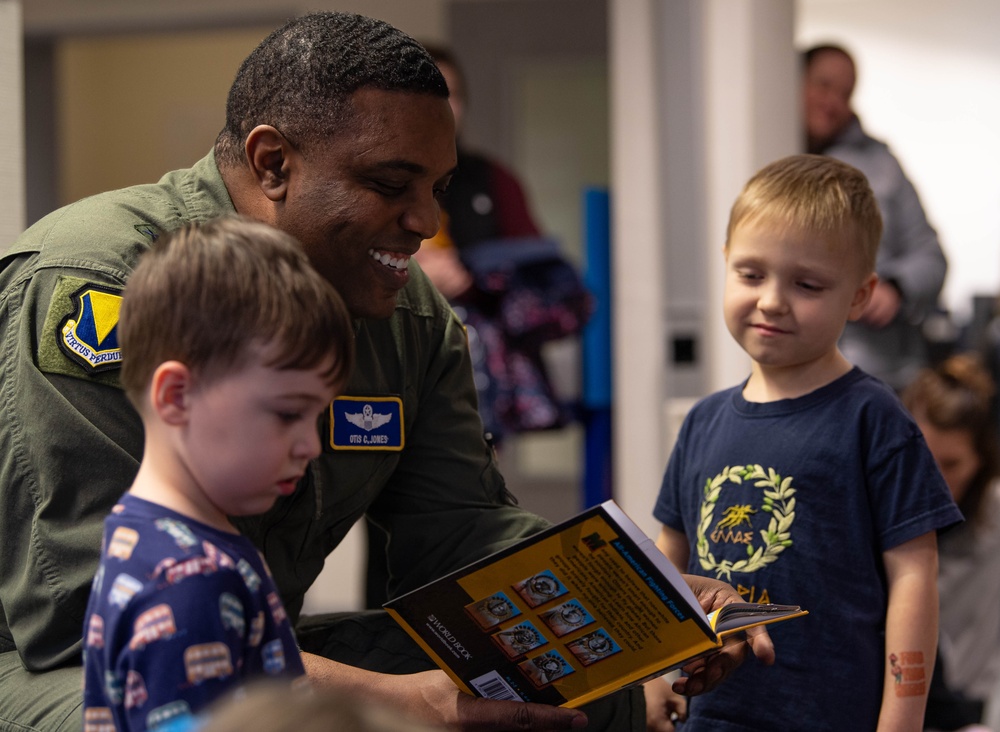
(420, 18)
(11, 120)
(134, 107)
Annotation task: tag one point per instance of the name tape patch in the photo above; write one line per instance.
(366, 423)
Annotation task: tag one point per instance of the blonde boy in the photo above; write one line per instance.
(808, 483)
(232, 346)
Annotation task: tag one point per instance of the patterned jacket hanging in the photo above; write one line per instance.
(525, 294)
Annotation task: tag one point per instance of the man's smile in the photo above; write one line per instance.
(393, 260)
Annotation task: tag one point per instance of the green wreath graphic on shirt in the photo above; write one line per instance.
(778, 500)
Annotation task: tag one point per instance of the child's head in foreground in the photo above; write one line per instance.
(800, 258)
(233, 345)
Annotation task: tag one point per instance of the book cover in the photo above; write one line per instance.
(578, 611)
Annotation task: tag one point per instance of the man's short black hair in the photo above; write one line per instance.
(300, 78)
(813, 51)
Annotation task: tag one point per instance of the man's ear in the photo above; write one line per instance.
(170, 392)
(270, 155)
(862, 296)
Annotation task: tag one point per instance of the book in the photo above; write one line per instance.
(580, 610)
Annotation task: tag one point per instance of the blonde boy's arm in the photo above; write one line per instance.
(674, 545)
(911, 633)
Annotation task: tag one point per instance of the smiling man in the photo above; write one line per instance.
(339, 132)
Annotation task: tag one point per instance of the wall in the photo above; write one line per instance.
(141, 90)
(135, 106)
(929, 84)
(423, 18)
(12, 185)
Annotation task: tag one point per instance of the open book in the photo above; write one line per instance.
(574, 613)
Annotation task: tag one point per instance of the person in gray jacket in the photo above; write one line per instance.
(888, 341)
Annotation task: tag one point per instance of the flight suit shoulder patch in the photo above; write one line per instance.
(80, 335)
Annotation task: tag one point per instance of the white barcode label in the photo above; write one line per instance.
(493, 686)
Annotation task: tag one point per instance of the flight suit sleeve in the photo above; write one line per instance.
(446, 503)
(69, 448)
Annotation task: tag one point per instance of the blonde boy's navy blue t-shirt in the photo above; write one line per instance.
(795, 501)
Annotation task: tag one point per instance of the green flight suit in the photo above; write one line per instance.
(70, 445)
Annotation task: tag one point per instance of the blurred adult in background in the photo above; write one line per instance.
(888, 341)
(485, 200)
(509, 285)
(952, 405)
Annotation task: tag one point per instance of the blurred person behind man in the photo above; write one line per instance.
(888, 340)
(508, 283)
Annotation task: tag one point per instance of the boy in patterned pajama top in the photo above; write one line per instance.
(233, 345)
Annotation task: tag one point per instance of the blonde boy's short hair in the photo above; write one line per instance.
(813, 193)
(209, 293)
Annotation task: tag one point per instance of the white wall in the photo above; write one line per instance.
(12, 121)
(929, 84)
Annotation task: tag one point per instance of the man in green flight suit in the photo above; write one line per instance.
(338, 131)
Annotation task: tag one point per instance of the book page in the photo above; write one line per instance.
(648, 546)
(742, 615)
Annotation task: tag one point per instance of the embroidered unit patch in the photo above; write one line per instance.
(366, 423)
(89, 336)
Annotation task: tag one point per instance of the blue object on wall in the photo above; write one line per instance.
(596, 348)
(597, 278)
